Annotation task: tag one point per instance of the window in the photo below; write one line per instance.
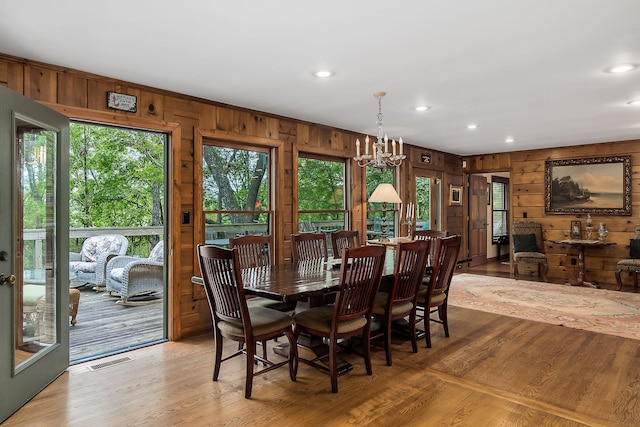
(500, 216)
(374, 210)
(235, 192)
(321, 195)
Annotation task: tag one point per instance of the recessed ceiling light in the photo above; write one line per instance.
(635, 102)
(509, 139)
(323, 74)
(621, 68)
(472, 126)
(422, 108)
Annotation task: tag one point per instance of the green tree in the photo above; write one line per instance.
(116, 177)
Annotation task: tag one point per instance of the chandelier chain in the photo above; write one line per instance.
(381, 157)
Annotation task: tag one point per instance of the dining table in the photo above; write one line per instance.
(306, 283)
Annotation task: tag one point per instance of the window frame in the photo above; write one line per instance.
(346, 193)
(504, 213)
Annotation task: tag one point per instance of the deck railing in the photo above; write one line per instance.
(141, 241)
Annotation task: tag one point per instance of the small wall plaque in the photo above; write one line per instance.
(426, 158)
(122, 102)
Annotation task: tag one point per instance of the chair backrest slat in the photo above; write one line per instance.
(445, 263)
(253, 251)
(220, 270)
(308, 246)
(411, 261)
(432, 235)
(343, 239)
(360, 275)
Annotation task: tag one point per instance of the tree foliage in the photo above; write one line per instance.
(116, 177)
(235, 180)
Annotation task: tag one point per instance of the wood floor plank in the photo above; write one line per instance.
(492, 371)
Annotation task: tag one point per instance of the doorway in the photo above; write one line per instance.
(489, 206)
(117, 188)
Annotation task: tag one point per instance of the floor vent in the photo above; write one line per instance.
(109, 363)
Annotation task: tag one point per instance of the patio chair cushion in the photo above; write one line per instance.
(157, 253)
(94, 247)
(116, 274)
(83, 266)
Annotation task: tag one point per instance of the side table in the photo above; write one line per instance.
(581, 244)
(74, 302)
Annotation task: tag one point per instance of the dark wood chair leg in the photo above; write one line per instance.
(387, 341)
(293, 355)
(619, 280)
(366, 347)
(218, 355)
(333, 365)
(427, 326)
(544, 267)
(442, 311)
(412, 332)
(515, 271)
(249, 375)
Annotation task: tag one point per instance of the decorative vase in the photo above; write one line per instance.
(602, 232)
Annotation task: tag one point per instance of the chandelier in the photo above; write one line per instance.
(381, 157)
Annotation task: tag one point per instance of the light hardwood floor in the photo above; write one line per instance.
(492, 371)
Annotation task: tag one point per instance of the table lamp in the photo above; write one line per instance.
(384, 193)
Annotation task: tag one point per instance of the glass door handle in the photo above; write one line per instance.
(9, 280)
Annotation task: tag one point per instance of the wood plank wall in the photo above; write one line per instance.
(82, 95)
(527, 196)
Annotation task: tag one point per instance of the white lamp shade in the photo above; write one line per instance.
(385, 193)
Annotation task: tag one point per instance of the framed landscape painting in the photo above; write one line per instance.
(596, 185)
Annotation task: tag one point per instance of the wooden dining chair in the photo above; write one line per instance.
(308, 246)
(255, 251)
(360, 274)
(400, 302)
(435, 296)
(342, 239)
(235, 320)
(432, 236)
(429, 235)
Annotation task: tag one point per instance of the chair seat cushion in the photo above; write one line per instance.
(529, 257)
(380, 305)
(263, 320)
(319, 319)
(270, 303)
(85, 267)
(116, 274)
(629, 264)
(436, 299)
(31, 294)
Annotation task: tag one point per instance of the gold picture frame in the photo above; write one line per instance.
(595, 185)
(455, 195)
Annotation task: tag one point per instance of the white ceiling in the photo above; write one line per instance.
(531, 69)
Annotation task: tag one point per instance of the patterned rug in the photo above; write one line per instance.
(596, 310)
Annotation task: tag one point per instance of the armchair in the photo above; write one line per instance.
(129, 276)
(528, 247)
(88, 265)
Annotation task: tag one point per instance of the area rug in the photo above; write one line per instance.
(596, 310)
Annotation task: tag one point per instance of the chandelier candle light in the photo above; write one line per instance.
(381, 157)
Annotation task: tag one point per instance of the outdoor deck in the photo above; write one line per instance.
(104, 327)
